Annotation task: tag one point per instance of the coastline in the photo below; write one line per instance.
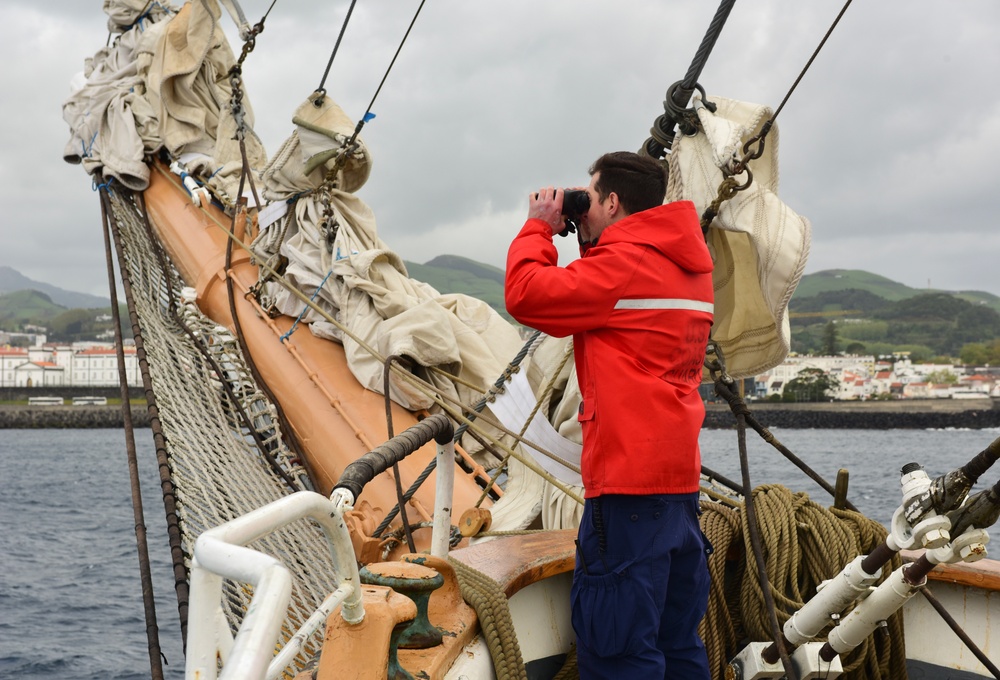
(867, 415)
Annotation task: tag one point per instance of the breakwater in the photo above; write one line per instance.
(902, 415)
(75, 417)
(916, 414)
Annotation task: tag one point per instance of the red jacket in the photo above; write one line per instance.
(639, 307)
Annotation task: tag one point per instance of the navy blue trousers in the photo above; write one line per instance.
(640, 588)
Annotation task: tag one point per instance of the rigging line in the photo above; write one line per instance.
(349, 145)
(474, 427)
(311, 304)
(142, 547)
(398, 50)
(477, 409)
(329, 64)
(546, 393)
(957, 629)
(400, 503)
(168, 489)
(753, 529)
(704, 50)
(662, 133)
(811, 59)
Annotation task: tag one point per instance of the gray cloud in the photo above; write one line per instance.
(886, 145)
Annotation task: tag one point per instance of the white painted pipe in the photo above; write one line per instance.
(443, 491)
(295, 644)
(885, 600)
(832, 598)
(220, 552)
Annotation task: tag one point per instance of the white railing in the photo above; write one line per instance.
(220, 553)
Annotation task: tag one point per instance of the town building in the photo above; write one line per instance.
(53, 365)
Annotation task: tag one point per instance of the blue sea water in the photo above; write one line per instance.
(70, 596)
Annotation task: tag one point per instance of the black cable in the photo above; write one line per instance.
(704, 51)
(141, 544)
(758, 550)
(336, 47)
(400, 503)
(811, 59)
(398, 50)
(677, 96)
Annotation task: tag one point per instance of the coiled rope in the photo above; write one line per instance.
(804, 545)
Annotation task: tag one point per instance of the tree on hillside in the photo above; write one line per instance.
(942, 377)
(811, 384)
(830, 338)
(981, 353)
(849, 298)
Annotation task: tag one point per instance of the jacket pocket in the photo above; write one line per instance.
(586, 409)
(604, 618)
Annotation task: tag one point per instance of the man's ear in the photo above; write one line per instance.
(614, 205)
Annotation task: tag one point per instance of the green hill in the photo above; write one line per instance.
(27, 306)
(834, 280)
(32, 307)
(12, 280)
(872, 314)
(454, 274)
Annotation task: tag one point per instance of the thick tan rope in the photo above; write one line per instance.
(490, 602)
(805, 544)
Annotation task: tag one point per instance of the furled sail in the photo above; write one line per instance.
(758, 243)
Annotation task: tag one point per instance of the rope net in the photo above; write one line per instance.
(215, 464)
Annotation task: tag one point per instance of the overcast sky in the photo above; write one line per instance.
(885, 145)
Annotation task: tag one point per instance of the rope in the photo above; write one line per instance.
(329, 64)
(804, 544)
(477, 409)
(295, 324)
(368, 111)
(493, 610)
(142, 546)
(811, 59)
(677, 96)
(206, 456)
(549, 386)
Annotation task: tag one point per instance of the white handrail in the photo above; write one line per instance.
(220, 553)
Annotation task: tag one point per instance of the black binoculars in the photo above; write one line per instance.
(576, 203)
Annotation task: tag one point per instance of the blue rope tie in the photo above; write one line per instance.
(302, 313)
(145, 15)
(106, 186)
(88, 147)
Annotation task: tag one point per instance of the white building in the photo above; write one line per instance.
(98, 367)
(63, 365)
(10, 359)
(39, 374)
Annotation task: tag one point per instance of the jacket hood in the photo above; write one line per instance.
(673, 228)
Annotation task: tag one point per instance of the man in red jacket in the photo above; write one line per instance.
(638, 304)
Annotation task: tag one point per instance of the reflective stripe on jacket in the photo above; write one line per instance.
(639, 307)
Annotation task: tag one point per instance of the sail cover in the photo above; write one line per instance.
(758, 243)
(328, 237)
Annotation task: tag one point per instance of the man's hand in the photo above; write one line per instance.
(546, 205)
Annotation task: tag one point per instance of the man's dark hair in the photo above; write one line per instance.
(639, 181)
